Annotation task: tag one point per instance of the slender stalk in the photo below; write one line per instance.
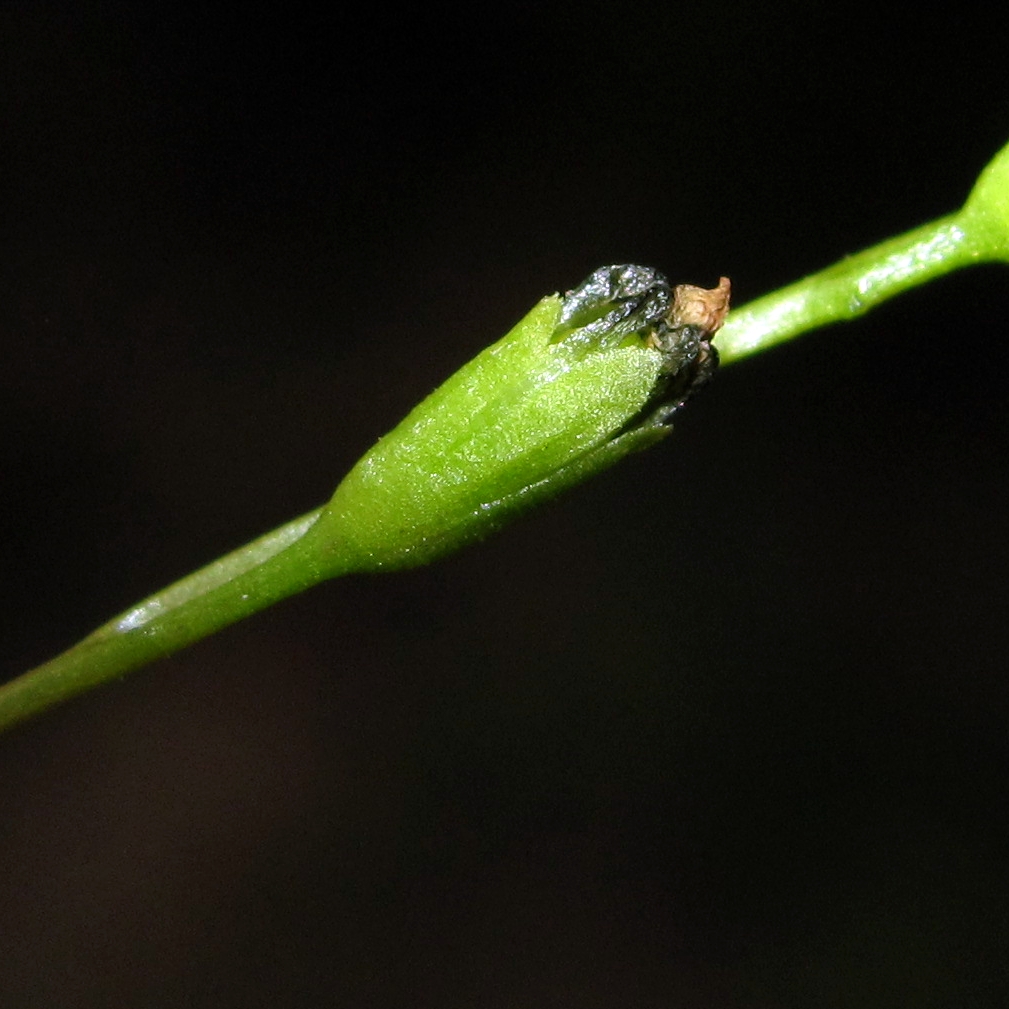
(237, 585)
(848, 288)
(977, 233)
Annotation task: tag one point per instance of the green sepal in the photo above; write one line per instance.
(530, 415)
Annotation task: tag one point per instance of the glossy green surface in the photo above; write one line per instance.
(519, 422)
(977, 233)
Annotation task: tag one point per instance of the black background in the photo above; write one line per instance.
(726, 727)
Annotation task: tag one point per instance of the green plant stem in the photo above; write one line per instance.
(847, 289)
(855, 284)
(977, 233)
(307, 550)
(237, 585)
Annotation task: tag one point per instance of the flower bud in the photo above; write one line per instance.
(581, 381)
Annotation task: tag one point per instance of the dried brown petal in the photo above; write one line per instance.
(698, 306)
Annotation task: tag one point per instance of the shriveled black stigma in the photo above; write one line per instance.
(615, 302)
(690, 362)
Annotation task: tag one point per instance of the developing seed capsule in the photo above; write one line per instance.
(581, 381)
